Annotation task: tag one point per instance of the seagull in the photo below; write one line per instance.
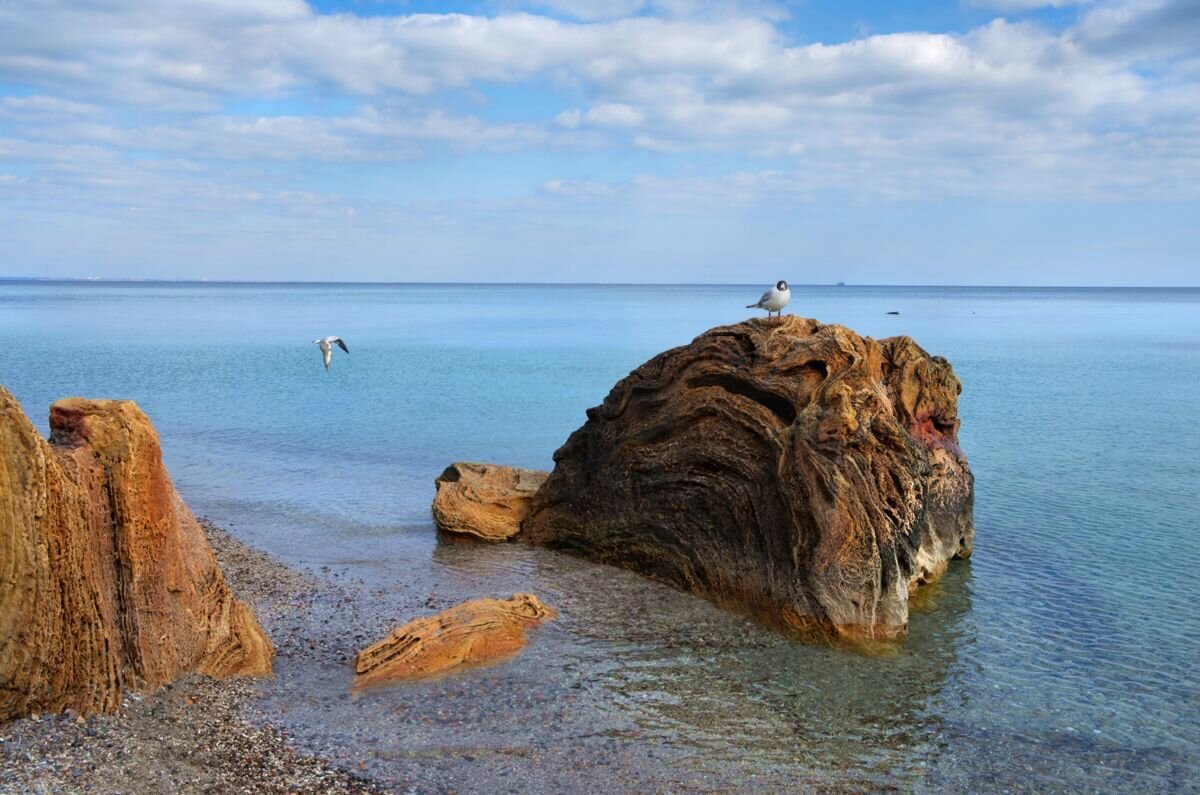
(775, 299)
(327, 344)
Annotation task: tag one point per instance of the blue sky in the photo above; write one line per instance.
(970, 142)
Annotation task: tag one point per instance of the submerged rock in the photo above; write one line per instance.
(785, 468)
(472, 633)
(484, 501)
(107, 584)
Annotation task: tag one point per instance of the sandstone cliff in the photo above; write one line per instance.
(107, 583)
(793, 470)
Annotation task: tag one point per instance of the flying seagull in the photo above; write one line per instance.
(775, 299)
(327, 344)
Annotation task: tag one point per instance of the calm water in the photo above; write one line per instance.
(1065, 655)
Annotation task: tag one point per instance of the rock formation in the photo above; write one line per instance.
(484, 501)
(789, 469)
(472, 633)
(924, 392)
(107, 583)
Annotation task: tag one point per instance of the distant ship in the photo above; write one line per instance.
(841, 284)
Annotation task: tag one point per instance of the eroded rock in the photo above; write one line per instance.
(473, 633)
(484, 501)
(107, 584)
(924, 392)
(789, 469)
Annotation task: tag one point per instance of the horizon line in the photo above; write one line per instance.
(161, 280)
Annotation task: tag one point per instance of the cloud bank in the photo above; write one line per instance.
(128, 117)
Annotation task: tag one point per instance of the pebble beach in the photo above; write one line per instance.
(195, 734)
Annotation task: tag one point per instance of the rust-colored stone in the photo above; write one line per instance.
(786, 468)
(484, 501)
(472, 633)
(107, 583)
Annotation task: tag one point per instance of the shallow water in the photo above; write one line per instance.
(1062, 656)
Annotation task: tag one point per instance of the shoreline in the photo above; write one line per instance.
(195, 734)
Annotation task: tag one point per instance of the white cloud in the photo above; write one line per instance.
(606, 114)
(367, 134)
(591, 10)
(43, 107)
(615, 114)
(570, 118)
(132, 104)
(1133, 29)
(596, 10)
(1018, 6)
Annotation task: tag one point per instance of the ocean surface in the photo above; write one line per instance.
(1065, 655)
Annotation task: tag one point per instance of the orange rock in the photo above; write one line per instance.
(107, 583)
(472, 633)
(484, 501)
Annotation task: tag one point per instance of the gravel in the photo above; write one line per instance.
(196, 734)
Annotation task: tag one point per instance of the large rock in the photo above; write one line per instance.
(484, 501)
(785, 468)
(473, 633)
(107, 583)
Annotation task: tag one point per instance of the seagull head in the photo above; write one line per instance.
(781, 286)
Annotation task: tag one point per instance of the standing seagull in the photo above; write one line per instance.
(327, 344)
(775, 299)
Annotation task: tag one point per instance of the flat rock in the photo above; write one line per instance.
(484, 501)
(107, 584)
(473, 633)
(788, 469)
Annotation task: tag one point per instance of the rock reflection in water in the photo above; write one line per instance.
(638, 686)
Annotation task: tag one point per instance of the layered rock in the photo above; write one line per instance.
(793, 470)
(484, 501)
(473, 633)
(924, 392)
(107, 583)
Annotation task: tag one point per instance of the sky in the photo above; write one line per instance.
(733, 141)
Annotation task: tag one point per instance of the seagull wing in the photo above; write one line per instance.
(341, 344)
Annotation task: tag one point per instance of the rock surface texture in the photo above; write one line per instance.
(107, 583)
(792, 470)
(472, 633)
(484, 501)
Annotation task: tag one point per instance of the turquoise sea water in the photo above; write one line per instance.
(1064, 655)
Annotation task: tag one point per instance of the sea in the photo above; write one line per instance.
(1063, 656)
